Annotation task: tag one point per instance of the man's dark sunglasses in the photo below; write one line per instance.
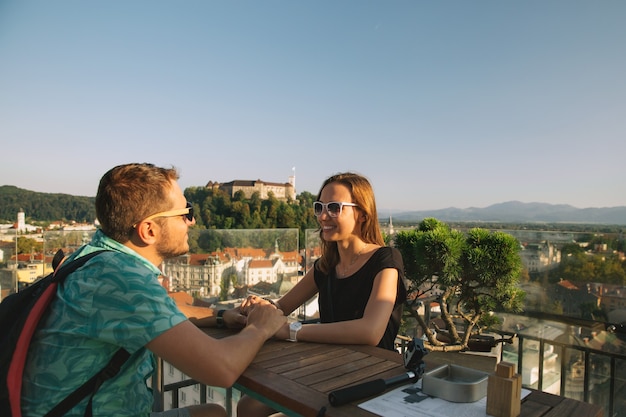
(187, 212)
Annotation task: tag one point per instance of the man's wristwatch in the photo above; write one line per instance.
(294, 328)
(219, 319)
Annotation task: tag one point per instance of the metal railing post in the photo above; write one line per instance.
(157, 385)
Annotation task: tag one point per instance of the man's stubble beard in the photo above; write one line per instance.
(168, 248)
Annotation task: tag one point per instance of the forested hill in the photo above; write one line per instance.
(44, 206)
(213, 209)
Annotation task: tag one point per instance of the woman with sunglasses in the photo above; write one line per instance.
(358, 280)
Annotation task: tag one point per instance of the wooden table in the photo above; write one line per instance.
(299, 376)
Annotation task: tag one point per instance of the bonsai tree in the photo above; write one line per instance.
(469, 275)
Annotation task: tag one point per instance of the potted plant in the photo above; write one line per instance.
(469, 274)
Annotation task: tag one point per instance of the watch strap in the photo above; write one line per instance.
(219, 319)
(293, 333)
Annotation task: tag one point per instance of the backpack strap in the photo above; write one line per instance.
(18, 360)
(90, 387)
(58, 258)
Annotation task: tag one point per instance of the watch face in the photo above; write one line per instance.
(295, 326)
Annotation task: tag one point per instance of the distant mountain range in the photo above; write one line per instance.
(518, 212)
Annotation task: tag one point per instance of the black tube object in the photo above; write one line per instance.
(345, 395)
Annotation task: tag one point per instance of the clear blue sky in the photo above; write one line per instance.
(439, 103)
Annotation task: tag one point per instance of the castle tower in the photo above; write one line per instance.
(292, 178)
(21, 221)
(292, 182)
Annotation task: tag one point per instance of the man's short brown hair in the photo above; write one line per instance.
(129, 193)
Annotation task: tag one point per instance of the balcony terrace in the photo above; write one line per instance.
(573, 358)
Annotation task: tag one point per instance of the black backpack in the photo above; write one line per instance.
(20, 314)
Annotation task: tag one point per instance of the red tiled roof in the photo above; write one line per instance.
(260, 263)
(567, 284)
(186, 304)
(182, 298)
(238, 253)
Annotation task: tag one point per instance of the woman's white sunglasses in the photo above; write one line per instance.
(333, 208)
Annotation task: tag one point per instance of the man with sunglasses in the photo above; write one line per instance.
(115, 301)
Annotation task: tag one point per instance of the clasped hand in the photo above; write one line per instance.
(263, 313)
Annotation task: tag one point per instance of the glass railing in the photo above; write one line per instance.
(552, 356)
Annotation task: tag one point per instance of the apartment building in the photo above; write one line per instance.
(209, 273)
